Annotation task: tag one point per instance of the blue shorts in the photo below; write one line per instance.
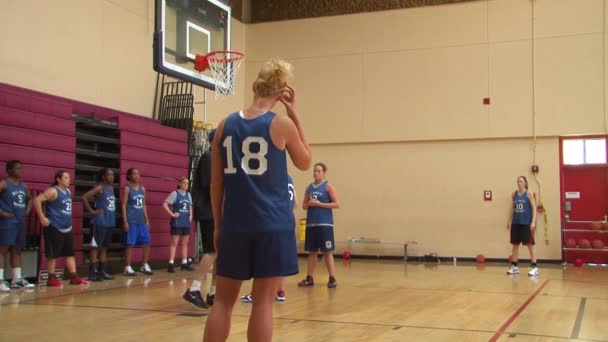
(319, 238)
(244, 256)
(138, 235)
(12, 234)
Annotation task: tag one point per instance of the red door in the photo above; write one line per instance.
(584, 198)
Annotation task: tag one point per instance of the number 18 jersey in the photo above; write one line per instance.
(255, 174)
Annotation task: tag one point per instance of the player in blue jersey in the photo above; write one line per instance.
(103, 220)
(248, 298)
(15, 205)
(320, 199)
(522, 224)
(58, 239)
(135, 222)
(253, 218)
(181, 220)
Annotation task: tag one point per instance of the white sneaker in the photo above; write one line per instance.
(247, 299)
(513, 270)
(145, 269)
(534, 272)
(129, 271)
(4, 286)
(22, 284)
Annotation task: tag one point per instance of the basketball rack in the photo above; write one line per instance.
(374, 241)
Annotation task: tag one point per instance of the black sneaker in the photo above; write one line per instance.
(308, 281)
(195, 298)
(332, 283)
(187, 267)
(105, 275)
(95, 276)
(171, 268)
(210, 299)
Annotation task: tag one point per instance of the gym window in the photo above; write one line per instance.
(584, 151)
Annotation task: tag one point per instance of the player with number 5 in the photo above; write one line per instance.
(253, 219)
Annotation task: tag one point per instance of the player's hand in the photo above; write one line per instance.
(98, 212)
(532, 226)
(508, 226)
(8, 215)
(45, 222)
(314, 202)
(175, 215)
(190, 218)
(125, 226)
(288, 98)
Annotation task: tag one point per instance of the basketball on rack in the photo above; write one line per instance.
(584, 243)
(597, 244)
(596, 225)
(571, 243)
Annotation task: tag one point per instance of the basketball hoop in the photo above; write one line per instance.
(224, 66)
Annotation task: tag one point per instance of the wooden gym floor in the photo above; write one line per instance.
(374, 301)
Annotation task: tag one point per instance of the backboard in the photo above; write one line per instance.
(185, 28)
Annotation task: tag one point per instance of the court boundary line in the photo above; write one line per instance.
(517, 312)
(576, 329)
(203, 314)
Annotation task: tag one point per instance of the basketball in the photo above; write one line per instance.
(346, 255)
(584, 243)
(481, 259)
(579, 262)
(597, 244)
(571, 243)
(596, 225)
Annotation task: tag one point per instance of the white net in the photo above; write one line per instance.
(224, 66)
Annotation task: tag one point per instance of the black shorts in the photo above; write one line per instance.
(244, 256)
(180, 231)
(207, 229)
(319, 238)
(102, 237)
(521, 234)
(58, 244)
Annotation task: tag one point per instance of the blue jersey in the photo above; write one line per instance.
(135, 206)
(316, 216)
(13, 201)
(255, 175)
(182, 206)
(59, 211)
(522, 209)
(106, 202)
(291, 189)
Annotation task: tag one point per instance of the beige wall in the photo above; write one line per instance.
(392, 101)
(97, 51)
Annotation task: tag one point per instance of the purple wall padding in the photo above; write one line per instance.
(36, 122)
(37, 156)
(37, 128)
(152, 170)
(35, 138)
(152, 143)
(156, 157)
(150, 127)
